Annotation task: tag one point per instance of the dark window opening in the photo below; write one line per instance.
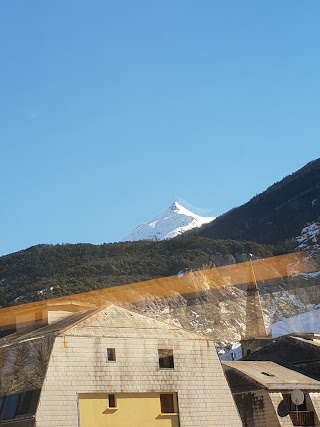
(111, 354)
(9, 411)
(25, 403)
(112, 400)
(166, 360)
(248, 351)
(167, 403)
(17, 405)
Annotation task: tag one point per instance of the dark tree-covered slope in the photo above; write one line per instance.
(271, 219)
(277, 214)
(47, 271)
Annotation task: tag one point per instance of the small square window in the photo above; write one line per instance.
(167, 403)
(166, 359)
(111, 354)
(112, 401)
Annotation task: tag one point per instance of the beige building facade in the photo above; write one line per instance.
(114, 367)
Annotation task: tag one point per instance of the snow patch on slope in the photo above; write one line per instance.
(171, 223)
(309, 237)
(302, 323)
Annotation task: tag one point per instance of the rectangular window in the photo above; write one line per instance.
(111, 354)
(24, 403)
(167, 403)
(10, 408)
(19, 404)
(112, 401)
(166, 359)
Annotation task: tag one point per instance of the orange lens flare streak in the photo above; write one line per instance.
(186, 284)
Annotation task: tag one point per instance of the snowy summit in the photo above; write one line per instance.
(171, 223)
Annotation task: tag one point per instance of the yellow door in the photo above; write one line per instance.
(129, 410)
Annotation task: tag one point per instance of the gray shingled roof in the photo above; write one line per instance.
(273, 376)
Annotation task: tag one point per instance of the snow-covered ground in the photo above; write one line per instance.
(302, 323)
(171, 223)
(234, 353)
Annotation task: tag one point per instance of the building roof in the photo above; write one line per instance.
(110, 321)
(314, 342)
(53, 329)
(300, 349)
(115, 321)
(273, 376)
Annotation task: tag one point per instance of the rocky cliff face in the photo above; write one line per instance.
(220, 314)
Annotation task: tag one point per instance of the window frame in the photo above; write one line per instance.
(114, 399)
(111, 352)
(165, 359)
(25, 405)
(174, 404)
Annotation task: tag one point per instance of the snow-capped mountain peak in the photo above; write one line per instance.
(172, 222)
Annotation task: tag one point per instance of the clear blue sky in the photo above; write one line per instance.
(111, 110)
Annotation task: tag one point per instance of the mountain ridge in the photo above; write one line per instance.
(264, 218)
(48, 271)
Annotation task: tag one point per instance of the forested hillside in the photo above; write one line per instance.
(47, 271)
(270, 219)
(277, 214)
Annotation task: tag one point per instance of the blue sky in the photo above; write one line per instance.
(111, 110)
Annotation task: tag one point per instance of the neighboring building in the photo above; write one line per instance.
(294, 352)
(111, 367)
(262, 392)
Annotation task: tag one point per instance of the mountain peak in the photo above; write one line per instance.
(172, 222)
(175, 206)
